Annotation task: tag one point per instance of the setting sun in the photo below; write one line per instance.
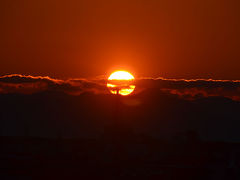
(121, 82)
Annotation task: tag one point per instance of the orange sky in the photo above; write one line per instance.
(173, 39)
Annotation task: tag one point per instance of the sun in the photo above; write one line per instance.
(121, 82)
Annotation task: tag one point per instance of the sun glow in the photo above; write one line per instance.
(121, 82)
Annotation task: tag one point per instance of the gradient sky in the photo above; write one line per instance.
(85, 38)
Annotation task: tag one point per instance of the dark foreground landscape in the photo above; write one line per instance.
(57, 136)
(32, 158)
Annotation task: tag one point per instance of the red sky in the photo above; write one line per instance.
(173, 39)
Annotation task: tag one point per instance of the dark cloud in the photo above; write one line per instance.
(194, 88)
(17, 83)
(187, 89)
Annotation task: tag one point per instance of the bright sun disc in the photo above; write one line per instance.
(121, 82)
